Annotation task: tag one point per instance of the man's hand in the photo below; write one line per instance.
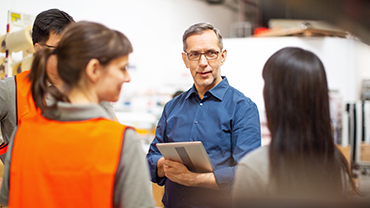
(179, 173)
(160, 167)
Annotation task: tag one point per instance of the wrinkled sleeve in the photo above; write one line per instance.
(246, 136)
(7, 108)
(7, 113)
(153, 154)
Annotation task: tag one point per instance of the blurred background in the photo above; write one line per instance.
(338, 31)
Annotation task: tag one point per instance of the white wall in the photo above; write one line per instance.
(155, 28)
(342, 59)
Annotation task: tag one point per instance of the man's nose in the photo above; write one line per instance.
(203, 60)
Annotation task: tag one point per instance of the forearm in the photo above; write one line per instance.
(179, 173)
(204, 180)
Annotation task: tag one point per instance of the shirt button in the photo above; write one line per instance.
(201, 104)
(196, 122)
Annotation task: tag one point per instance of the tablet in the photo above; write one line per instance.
(191, 154)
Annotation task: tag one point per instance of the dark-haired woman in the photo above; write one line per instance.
(73, 155)
(302, 161)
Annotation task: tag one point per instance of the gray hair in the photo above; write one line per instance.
(198, 29)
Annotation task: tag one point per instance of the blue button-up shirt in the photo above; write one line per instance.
(227, 123)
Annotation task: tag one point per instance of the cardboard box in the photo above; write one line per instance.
(365, 152)
(365, 157)
(346, 151)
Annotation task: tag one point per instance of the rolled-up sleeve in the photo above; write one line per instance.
(154, 155)
(246, 136)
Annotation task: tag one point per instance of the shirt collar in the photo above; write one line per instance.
(73, 112)
(218, 91)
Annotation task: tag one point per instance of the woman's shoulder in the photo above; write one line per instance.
(256, 157)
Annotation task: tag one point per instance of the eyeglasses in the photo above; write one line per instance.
(195, 56)
(49, 46)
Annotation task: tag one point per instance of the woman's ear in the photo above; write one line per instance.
(93, 70)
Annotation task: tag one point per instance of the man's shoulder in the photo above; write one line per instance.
(7, 84)
(238, 96)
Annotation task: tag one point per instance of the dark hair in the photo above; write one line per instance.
(304, 160)
(177, 93)
(198, 29)
(52, 20)
(80, 43)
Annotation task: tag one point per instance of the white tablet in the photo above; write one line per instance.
(191, 154)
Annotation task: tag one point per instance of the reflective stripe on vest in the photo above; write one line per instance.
(64, 164)
(25, 105)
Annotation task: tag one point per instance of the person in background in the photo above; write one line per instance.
(302, 161)
(15, 98)
(211, 111)
(178, 92)
(90, 161)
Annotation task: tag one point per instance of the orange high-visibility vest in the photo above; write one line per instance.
(25, 105)
(64, 164)
(24, 102)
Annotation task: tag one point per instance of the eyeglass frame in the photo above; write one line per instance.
(201, 54)
(49, 46)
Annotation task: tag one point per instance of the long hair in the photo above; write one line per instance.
(80, 43)
(304, 161)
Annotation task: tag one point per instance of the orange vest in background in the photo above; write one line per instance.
(64, 164)
(25, 105)
(24, 102)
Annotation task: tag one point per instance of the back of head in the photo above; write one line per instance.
(296, 95)
(198, 29)
(80, 43)
(303, 158)
(52, 20)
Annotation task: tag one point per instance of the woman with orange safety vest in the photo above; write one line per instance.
(72, 155)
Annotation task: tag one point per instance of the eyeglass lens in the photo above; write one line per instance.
(210, 55)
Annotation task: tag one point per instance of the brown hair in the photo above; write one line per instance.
(304, 160)
(198, 29)
(80, 43)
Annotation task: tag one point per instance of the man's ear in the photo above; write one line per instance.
(37, 47)
(223, 56)
(184, 58)
(93, 70)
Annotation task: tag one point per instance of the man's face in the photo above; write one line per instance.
(52, 42)
(206, 73)
(51, 65)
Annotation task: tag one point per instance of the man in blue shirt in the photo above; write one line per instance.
(226, 121)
